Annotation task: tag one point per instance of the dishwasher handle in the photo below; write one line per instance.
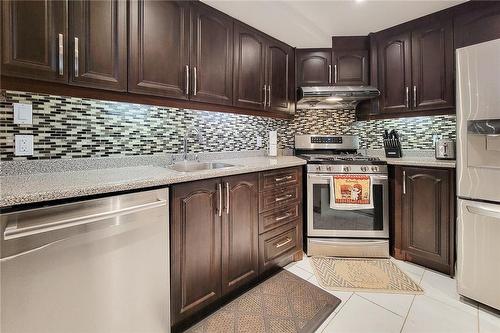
(12, 231)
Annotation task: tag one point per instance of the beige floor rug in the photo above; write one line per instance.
(372, 275)
(284, 303)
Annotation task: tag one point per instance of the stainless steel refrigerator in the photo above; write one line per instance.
(478, 172)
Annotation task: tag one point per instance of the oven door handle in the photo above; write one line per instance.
(376, 178)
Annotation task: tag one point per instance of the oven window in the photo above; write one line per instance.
(325, 218)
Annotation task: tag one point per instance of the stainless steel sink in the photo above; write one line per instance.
(199, 166)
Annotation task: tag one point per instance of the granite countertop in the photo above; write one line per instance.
(420, 161)
(411, 157)
(39, 187)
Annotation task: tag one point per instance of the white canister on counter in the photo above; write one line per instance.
(273, 143)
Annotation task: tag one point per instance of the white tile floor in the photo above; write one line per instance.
(440, 309)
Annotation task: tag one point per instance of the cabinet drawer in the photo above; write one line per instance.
(278, 217)
(278, 197)
(278, 245)
(276, 178)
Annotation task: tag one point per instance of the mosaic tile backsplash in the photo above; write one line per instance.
(65, 127)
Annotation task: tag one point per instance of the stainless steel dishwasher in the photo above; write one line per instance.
(98, 265)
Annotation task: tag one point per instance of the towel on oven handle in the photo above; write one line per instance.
(351, 192)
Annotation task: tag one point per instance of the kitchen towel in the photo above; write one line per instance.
(350, 192)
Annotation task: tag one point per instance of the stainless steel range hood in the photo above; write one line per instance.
(334, 97)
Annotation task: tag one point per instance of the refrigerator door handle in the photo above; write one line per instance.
(478, 210)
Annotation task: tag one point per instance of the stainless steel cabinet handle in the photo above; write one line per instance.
(61, 54)
(280, 218)
(282, 178)
(407, 102)
(187, 80)
(265, 95)
(220, 199)
(287, 240)
(227, 198)
(404, 182)
(283, 197)
(269, 93)
(195, 86)
(329, 73)
(336, 73)
(484, 211)
(414, 96)
(12, 231)
(76, 64)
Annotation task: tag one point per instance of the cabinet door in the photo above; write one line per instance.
(427, 218)
(249, 67)
(211, 56)
(314, 67)
(278, 61)
(394, 72)
(350, 68)
(98, 39)
(196, 247)
(240, 231)
(432, 66)
(159, 48)
(34, 39)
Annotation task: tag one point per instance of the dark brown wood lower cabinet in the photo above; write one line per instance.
(240, 229)
(424, 217)
(215, 244)
(195, 247)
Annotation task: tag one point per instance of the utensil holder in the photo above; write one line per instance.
(393, 148)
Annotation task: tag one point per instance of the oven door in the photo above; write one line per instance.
(363, 223)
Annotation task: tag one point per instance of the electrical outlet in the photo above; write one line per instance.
(259, 141)
(24, 145)
(23, 114)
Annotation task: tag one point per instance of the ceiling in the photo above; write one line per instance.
(302, 23)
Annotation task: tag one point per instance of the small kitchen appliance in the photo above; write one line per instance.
(445, 149)
(358, 232)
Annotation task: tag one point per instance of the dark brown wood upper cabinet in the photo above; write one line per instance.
(350, 68)
(249, 67)
(432, 66)
(416, 66)
(211, 55)
(35, 39)
(98, 44)
(195, 247)
(427, 217)
(159, 48)
(350, 60)
(279, 62)
(314, 67)
(478, 22)
(394, 72)
(240, 263)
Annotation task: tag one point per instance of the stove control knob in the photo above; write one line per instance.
(364, 168)
(374, 168)
(346, 168)
(328, 168)
(318, 168)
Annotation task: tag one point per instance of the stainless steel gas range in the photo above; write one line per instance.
(352, 232)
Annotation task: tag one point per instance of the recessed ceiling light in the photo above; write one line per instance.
(359, 0)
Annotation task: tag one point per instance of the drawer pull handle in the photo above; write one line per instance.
(282, 178)
(287, 215)
(288, 196)
(288, 240)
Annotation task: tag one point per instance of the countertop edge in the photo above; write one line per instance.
(11, 201)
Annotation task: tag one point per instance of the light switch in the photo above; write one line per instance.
(24, 145)
(23, 114)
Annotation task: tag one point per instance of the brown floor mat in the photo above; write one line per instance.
(282, 303)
